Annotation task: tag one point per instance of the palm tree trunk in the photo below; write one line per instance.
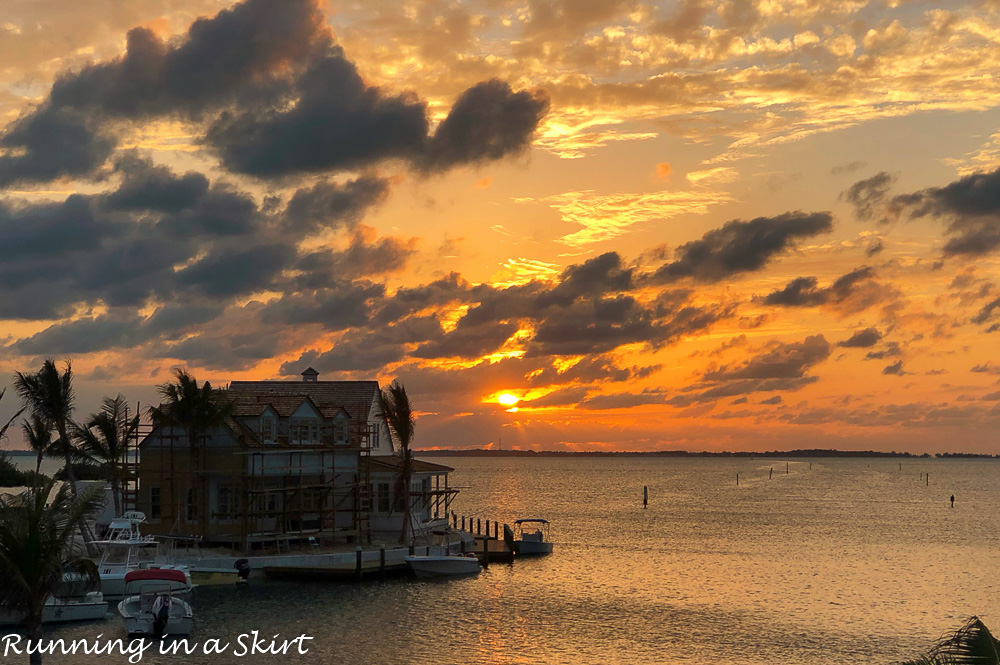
(34, 630)
(116, 491)
(407, 499)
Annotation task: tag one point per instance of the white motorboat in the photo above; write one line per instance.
(125, 550)
(444, 565)
(63, 610)
(531, 537)
(152, 607)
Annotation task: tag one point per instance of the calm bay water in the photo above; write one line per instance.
(850, 561)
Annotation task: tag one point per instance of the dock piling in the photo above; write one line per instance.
(357, 562)
(737, 479)
(486, 551)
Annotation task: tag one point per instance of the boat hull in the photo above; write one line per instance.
(92, 608)
(443, 566)
(532, 547)
(214, 576)
(141, 620)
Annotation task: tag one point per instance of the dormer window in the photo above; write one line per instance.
(340, 431)
(304, 430)
(267, 428)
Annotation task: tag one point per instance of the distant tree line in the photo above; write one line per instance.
(816, 452)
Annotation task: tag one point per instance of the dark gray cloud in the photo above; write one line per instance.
(623, 400)
(771, 401)
(891, 350)
(970, 205)
(848, 294)
(850, 167)
(895, 368)
(337, 123)
(986, 312)
(862, 339)
(874, 247)
(742, 246)
(50, 143)
(779, 367)
(868, 195)
(489, 121)
(278, 98)
(328, 205)
(167, 237)
(242, 52)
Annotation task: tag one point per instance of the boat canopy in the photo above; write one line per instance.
(539, 520)
(157, 574)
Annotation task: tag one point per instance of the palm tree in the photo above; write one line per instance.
(398, 417)
(104, 438)
(38, 435)
(972, 643)
(49, 395)
(196, 411)
(36, 539)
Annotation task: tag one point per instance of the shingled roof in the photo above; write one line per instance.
(250, 398)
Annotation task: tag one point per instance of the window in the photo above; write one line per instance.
(225, 502)
(155, 503)
(340, 431)
(192, 506)
(267, 429)
(383, 497)
(303, 430)
(375, 433)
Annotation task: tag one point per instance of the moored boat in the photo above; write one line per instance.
(151, 607)
(531, 537)
(444, 565)
(124, 552)
(63, 610)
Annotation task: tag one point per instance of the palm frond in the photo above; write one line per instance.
(972, 644)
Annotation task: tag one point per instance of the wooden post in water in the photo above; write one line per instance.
(927, 479)
(737, 479)
(479, 526)
(454, 521)
(496, 529)
(487, 527)
(486, 551)
(357, 562)
(381, 560)
(770, 473)
(645, 496)
(786, 468)
(463, 522)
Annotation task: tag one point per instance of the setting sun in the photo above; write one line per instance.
(508, 400)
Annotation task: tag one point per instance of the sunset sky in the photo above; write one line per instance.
(737, 225)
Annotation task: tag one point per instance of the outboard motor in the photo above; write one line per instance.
(243, 566)
(161, 614)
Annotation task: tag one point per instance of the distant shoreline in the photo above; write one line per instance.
(482, 452)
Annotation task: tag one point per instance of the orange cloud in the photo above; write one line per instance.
(663, 170)
(483, 183)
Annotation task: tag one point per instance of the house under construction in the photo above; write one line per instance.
(301, 460)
